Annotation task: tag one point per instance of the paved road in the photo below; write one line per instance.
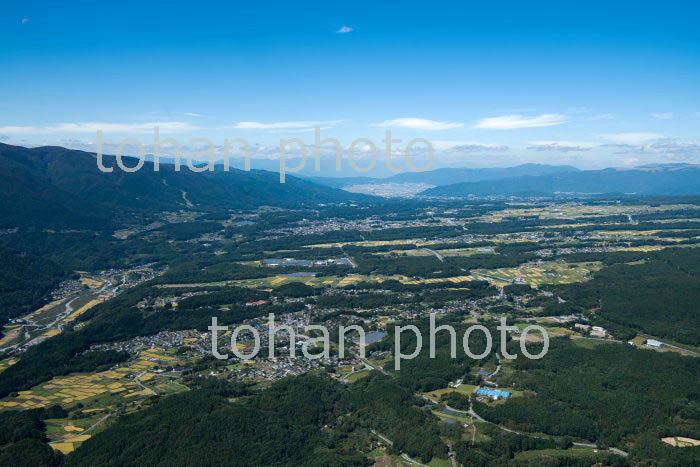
(373, 365)
(350, 258)
(138, 381)
(594, 446)
(498, 368)
(681, 349)
(67, 440)
(404, 456)
(437, 255)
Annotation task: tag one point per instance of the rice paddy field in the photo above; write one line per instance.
(270, 282)
(577, 210)
(368, 243)
(552, 272)
(42, 318)
(90, 282)
(95, 395)
(443, 252)
(44, 322)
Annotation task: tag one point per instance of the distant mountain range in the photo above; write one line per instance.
(658, 179)
(63, 188)
(448, 176)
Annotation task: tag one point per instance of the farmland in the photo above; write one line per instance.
(472, 267)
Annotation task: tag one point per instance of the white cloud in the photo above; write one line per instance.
(578, 110)
(93, 127)
(298, 125)
(511, 122)
(345, 30)
(606, 116)
(25, 20)
(634, 139)
(662, 115)
(420, 124)
(467, 146)
(676, 148)
(561, 146)
(163, 126)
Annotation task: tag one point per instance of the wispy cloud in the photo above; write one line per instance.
(677, 149)
(663, 115)
(296, 125)
(560, 146)
(93, 127)
(606, 116)
(578, 110)
(634, 139)
(345, 30)
(511, 122)
(467, 146)
(25, 20)
(420, 124)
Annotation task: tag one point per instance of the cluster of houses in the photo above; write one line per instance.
(196, 340)
(593, 331)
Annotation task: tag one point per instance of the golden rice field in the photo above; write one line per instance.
(82, 310)
(443, 252)
(437, 280)
(534, 275)
(575, 210)
(66, 447)
(6, 363)
(92, 283)
(10, 334)
(369, 243)
(67, 390)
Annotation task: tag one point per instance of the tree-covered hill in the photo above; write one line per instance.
(660, 296)
(57, 187)
(448, 176)
(682, 180)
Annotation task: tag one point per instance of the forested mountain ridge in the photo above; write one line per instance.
(660, 180)
(451, 175)
(57, 187)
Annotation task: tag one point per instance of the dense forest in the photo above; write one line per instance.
(306, 420)
(25, 281)
(611, 394)
(23, 439)
(62, 188)
(659, 296)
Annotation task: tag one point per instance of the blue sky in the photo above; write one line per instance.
(591, 83)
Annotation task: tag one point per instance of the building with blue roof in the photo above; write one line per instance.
(494, 394)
